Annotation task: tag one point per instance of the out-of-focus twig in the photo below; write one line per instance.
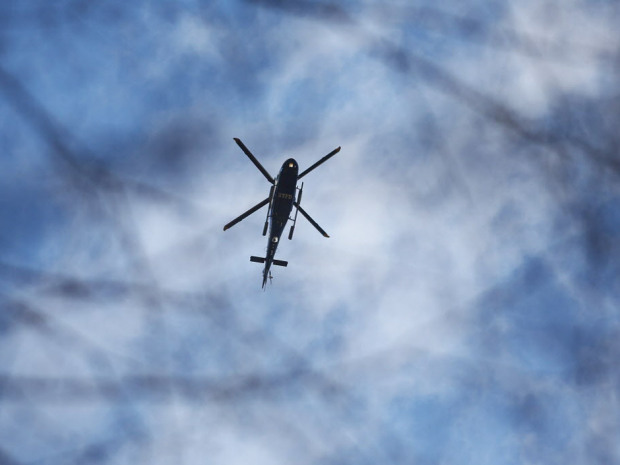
(85, 172)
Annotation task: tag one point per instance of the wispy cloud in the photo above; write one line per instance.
(463, 310)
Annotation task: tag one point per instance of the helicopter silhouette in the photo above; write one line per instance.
(281, 200)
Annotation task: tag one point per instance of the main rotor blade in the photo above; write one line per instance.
(322, 160)
(312, 222)
(254, 160)
(258, 206)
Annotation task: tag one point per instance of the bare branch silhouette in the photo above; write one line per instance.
(465, 308)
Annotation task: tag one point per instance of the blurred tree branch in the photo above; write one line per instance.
(81, 166)
(405, 61)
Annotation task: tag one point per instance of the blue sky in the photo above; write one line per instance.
(464, 309)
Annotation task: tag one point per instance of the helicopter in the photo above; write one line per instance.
(283, 196)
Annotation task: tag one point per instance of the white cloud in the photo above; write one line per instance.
(429, 209)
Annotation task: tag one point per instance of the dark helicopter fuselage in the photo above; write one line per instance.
(281, 206)
(282, 198)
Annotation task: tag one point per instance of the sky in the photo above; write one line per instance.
(465, 309)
